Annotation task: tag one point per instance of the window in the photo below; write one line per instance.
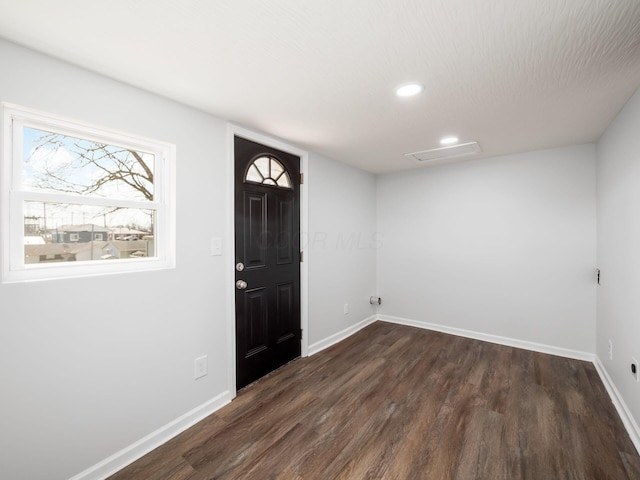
(70, 189)
(268, 171)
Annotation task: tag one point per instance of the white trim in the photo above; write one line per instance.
(625, 414)
(230, 266)
(629, 422)
(133, 452)
(74, 127)
(35, 196)
(136, 450)
(14, 268)
(623, 411)
(304, 265)
(338, 337)
(485, 337)
(233, 130)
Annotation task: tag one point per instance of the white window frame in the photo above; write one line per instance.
(74, 237)
(14, 194)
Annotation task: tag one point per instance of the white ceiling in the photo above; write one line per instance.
(514, 75)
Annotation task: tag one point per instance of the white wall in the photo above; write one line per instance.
(619, 252)
(503, 246)
(90, 366)
(341, 243)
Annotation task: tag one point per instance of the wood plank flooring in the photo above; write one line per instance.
(394, 402)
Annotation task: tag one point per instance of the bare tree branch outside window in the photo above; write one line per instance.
(87, 194)
(65, 164)
(54, 162)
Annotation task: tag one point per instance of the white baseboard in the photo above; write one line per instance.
(623, 411)
(133, 452)
(338, 337)
(510, 342)
(625, 415)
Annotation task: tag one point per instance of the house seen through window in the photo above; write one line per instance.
(84, 195)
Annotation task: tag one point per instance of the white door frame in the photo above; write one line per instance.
(232, 131)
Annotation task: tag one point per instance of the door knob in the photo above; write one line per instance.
(239, 266)
(241, 284)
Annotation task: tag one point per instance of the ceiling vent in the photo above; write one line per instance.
(453, 151)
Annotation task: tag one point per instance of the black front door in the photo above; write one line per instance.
(267, 252)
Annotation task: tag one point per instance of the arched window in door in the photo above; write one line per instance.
(268, 171)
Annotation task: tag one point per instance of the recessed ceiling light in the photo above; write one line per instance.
(409, 89)
(448, 140)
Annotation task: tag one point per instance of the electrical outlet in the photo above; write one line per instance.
(345, 309)
(634, 369)
(200, 367)
(610, 350)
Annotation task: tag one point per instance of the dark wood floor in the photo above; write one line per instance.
(394, 402)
